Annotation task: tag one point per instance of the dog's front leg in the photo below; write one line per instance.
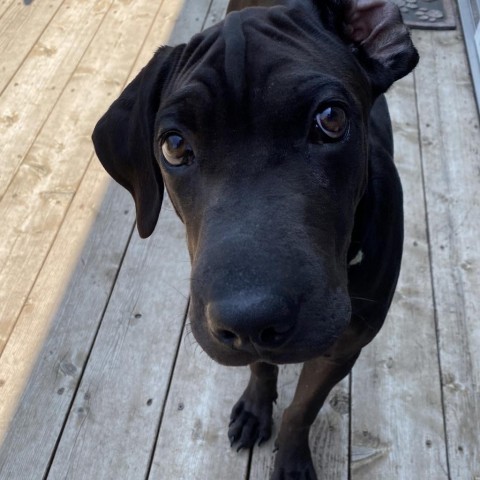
(317, 378)
(251, 417)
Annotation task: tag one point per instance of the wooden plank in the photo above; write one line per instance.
(20, 28)
(35, 203)
(5, 5)
(450, 142)
(329, 437)
(32, 93)
(44, 358)
(114, 419)
(190, 22)
(193, 441)
(217, 11)
(53, 381)
(397, 420)
(40, 80)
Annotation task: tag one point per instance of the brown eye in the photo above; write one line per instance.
(330, 124)
(176, 150)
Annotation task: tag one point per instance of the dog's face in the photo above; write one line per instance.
(260, 134)
(263, 149)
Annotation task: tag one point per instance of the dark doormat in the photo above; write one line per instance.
(429, 14)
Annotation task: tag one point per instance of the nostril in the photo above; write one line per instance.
(273, 336)
(226, 336)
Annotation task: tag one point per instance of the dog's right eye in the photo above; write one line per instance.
(330, 125)
(176, 150)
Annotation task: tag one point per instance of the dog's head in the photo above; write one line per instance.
(258, 129)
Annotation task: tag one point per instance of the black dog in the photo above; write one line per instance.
(272, 137)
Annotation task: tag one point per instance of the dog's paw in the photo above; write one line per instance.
(250, 421)
(298, 472)
(294, 468)
(294, 463)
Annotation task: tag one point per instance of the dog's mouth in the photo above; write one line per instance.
(295, 356)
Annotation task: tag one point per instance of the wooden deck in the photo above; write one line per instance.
(99, 377)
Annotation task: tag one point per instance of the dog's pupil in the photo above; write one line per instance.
(332, 121)
(176, 145)
(176, 150)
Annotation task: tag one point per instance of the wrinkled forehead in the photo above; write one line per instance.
(266, 40)
(281, 43)
(258, 55)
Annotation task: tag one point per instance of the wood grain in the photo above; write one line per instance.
(216, 12)
(33, 91)
(69, 332)
(193, 440)
(113, 421)
(38, 194)
(20, 28)
(36, 201)
(450, 142)
(43, 361)
(397, 418)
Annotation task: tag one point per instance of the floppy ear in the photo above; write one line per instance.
(384, 41)
(381, 40)
(123, 140)
(385, 48)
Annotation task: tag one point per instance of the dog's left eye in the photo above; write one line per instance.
(330, 124)
(176, 150)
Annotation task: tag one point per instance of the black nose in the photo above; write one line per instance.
(264, 320)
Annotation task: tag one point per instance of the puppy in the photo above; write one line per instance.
(273, 139)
